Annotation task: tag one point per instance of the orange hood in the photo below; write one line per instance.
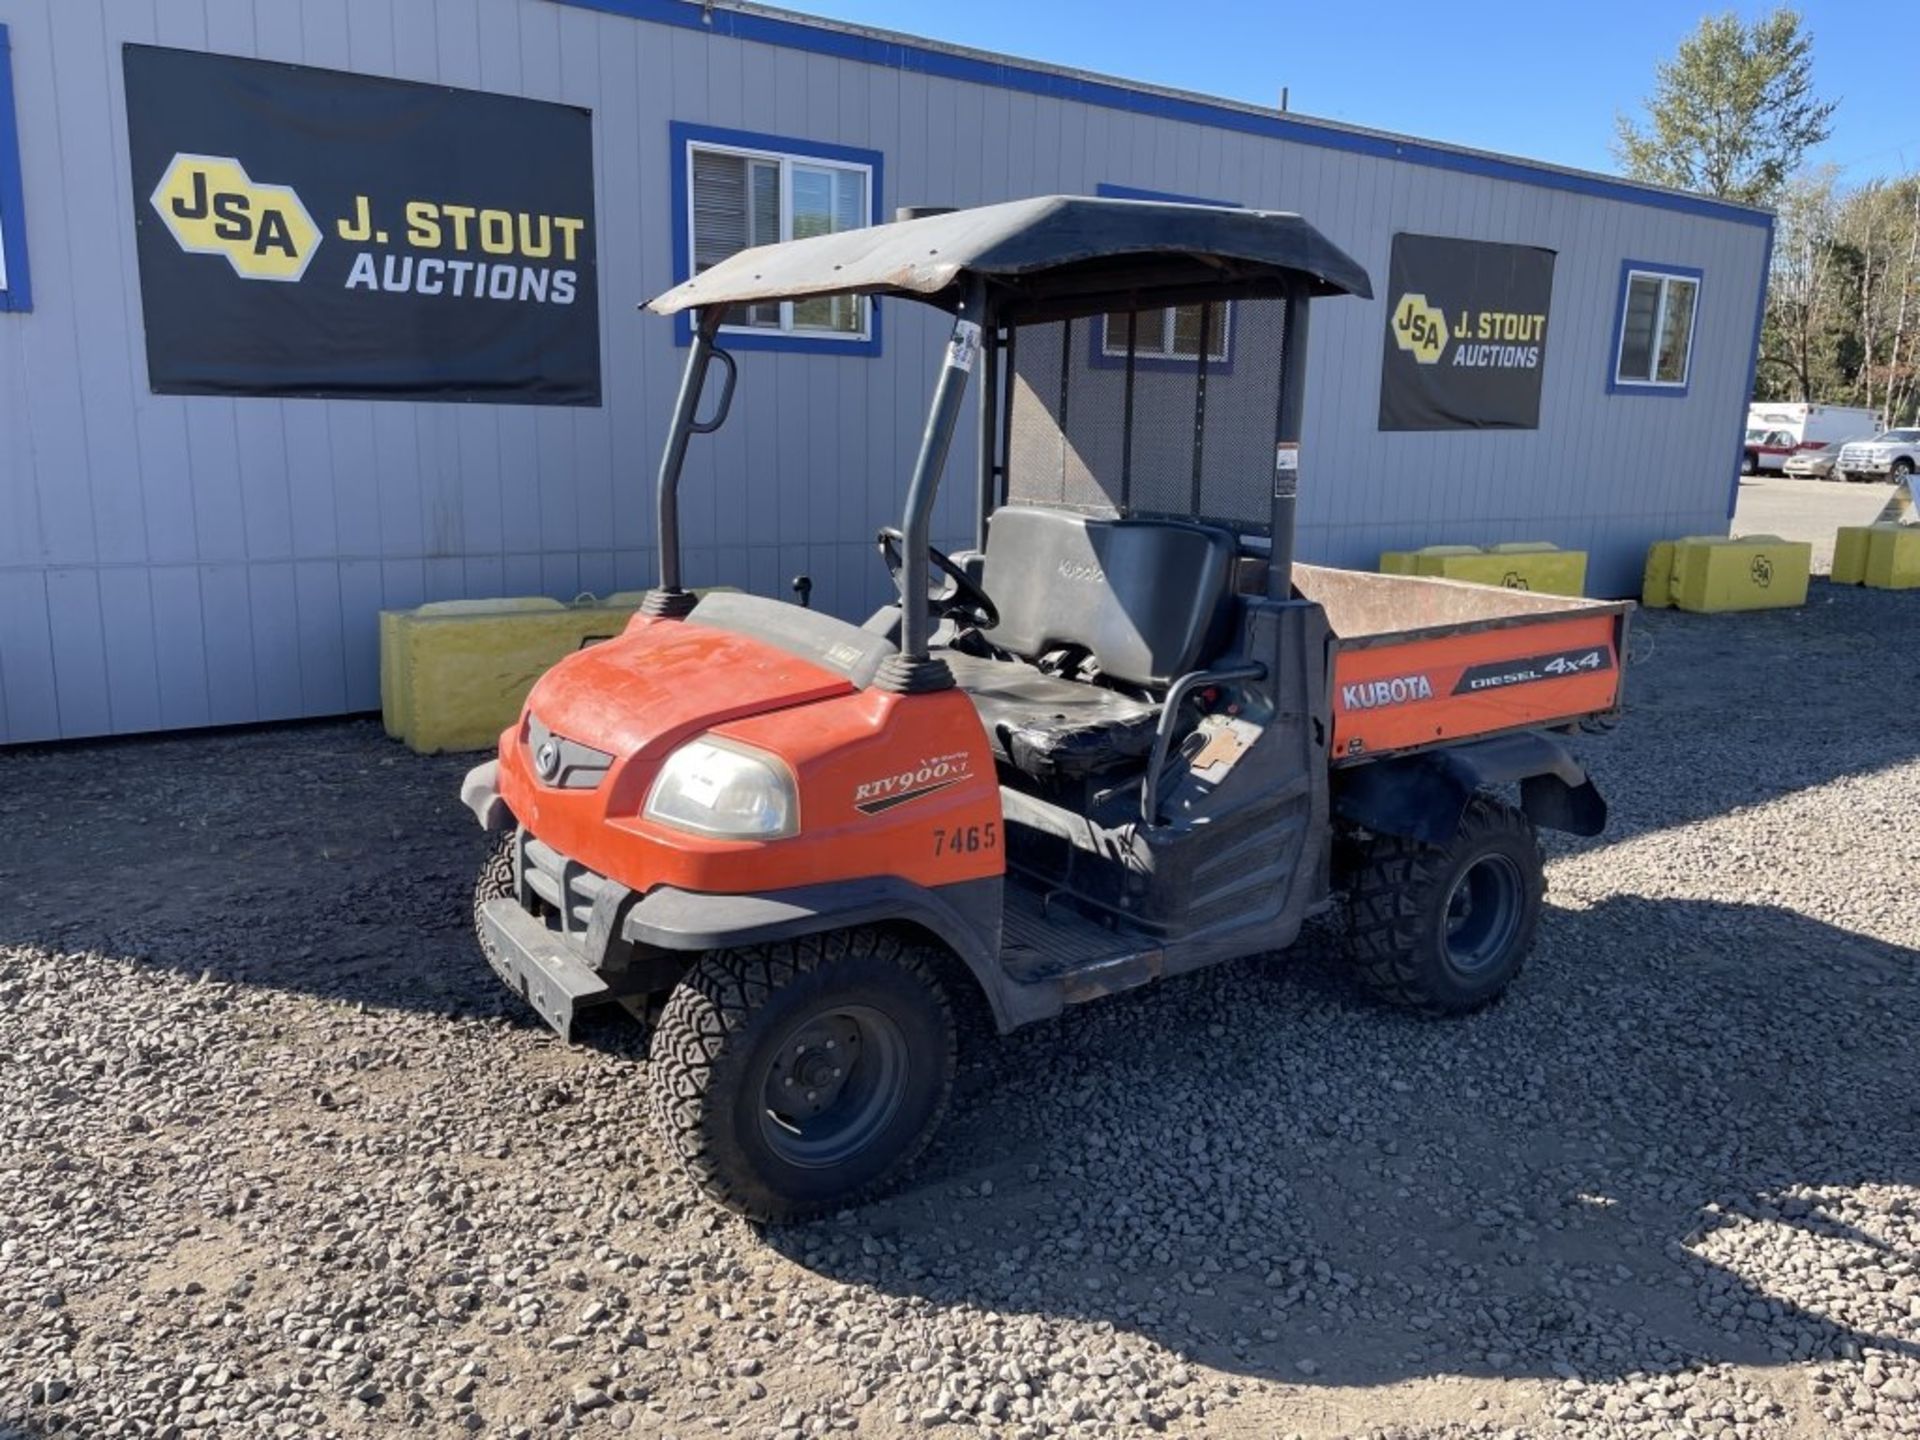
(662, 681)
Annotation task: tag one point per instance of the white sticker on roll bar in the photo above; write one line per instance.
(964, 345)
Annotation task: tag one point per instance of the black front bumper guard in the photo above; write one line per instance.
(539, 966)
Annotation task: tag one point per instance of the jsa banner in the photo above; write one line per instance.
(310, 232)
(1466, 335)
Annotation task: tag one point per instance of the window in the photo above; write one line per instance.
(1653, 334)
(736, 190)
(1171, 334)
(15, 291)
(1171, 337)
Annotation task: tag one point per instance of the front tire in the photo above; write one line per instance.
(1443, 930)
(1902, 468)
(495, 882)
(796, 1078)
(1749, 464)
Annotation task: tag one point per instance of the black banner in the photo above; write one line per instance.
(311, 232)
(1466, 335)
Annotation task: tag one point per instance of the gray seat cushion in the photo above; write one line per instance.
(1150, 599)
(1050, 728)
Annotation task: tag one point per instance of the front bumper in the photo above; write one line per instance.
(538, 965)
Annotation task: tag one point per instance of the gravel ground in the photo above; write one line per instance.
(280, 1160)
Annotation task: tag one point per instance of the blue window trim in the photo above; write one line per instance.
(680, 135)
(1628, 268)
(1010, 74)
(1097, 356)
(18, 294)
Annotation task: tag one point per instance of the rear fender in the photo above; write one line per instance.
(1423, 796)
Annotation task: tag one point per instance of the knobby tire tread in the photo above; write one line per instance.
(720, 999)
(1388, 901)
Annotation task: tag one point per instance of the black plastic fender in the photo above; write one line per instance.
(480, 793)
(1423, 796)
(965, 917)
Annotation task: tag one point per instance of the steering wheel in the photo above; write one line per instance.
(961, 599)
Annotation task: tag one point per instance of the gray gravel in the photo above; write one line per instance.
(279, 1160)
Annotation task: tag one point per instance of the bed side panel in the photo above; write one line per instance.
(1403, 695)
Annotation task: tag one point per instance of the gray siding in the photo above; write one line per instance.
(171, 561)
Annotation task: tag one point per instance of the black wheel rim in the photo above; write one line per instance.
(833, 1086)
(1483, 914)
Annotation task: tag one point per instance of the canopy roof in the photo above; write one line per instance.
(1047, 257)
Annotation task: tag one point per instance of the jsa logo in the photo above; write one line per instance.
(1419, 329)
(212, 207)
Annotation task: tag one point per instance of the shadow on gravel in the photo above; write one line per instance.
(322, 859)
(1262, 1170)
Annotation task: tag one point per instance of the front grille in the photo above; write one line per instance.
(562, 763)
(567, 888)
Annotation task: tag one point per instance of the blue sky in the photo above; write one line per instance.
(1540, 79)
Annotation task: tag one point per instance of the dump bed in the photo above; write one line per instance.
(1420, 662)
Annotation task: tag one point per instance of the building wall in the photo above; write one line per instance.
(169, 561)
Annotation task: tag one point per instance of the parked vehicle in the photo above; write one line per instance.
(1814, 463)
(1891, 455)
(1124, 737)
(1767, 450)
(1777, 430)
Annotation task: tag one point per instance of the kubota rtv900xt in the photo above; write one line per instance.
(1123, 736)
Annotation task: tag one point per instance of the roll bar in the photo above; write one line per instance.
(669, 599)
(974, 340)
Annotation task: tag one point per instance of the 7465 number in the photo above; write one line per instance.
(966, 839)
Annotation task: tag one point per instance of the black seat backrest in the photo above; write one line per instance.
(1151, 599)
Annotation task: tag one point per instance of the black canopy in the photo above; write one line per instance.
(1045, 258)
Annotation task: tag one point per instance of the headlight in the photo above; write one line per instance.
(715, 787)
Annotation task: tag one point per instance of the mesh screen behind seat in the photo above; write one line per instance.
(1077, 442)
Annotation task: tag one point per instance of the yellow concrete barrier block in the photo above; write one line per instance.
(1514, 564)
(1427, 560)
(1850, 554)
(455, 673)
(1893, 557)
(396, 678)
(1656, 580)
(1753, 572)
(1526, 565)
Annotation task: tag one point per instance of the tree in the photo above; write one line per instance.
(1732, 113)
(1808, 302)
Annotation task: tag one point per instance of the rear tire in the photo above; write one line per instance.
(1443, 930)
(751, 1087)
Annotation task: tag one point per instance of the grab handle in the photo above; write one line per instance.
(719, 418)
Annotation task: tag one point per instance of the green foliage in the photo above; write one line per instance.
(1732, 113)
(1843, 298)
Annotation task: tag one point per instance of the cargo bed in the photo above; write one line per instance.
(1419, 662)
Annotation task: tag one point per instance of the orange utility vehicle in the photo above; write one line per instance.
(1121, 737)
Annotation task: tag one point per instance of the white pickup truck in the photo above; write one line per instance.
(1891, 455)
